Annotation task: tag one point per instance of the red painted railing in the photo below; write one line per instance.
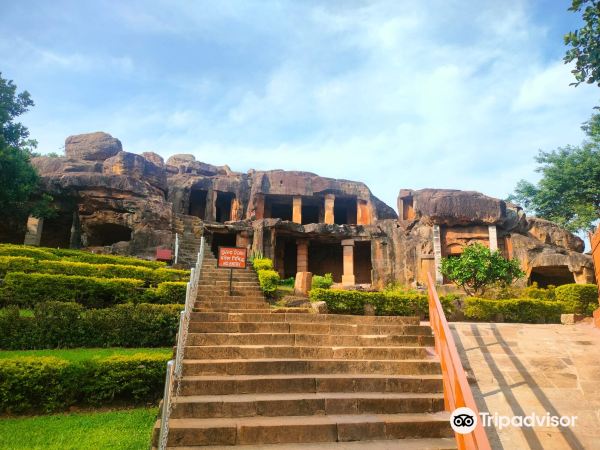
(457, 392)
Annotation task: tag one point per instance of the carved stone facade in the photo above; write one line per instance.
(114, 201)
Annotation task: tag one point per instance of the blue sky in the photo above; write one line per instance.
(398, 94)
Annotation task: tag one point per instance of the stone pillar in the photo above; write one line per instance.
(493, 237)
(75, 239)
(211, 206)
(235, 209)
(297, 210)
(303, 283)
(34, 231)
(301, 255)
(437, 254)
(329, 204)
(259, 207)
(363, 212)
(348, 278)
(242, 239)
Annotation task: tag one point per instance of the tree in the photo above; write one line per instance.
(585, 43)
(569, 190)
(18, 179)
(478, 267)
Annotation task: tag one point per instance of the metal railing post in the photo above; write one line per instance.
(176, 248)
(164, 419)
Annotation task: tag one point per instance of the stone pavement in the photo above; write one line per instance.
(519, 369)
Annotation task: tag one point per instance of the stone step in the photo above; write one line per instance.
(244, 352)
(235, 296)
(306, 339)
(306, 318)
(303, 429)
(304, 404)
(392, 444)
(304, 366)
(230, 304)
(226, 309)
(262, 384)
(306, 328)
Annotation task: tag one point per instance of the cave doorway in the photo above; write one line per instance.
(363, 265)
(56, 231)
(344, 211)
(221, 240)
(551, 275)
(223, 206)
(325, 257)
(198, 203)
(105, 234)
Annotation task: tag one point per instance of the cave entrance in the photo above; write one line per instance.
(313, 210)
(105, 234)
(551, 275)
(363, 266)
(325, 257)
(222, 240)
(56, 231)
(286, 256)
(223, 206)
(344, 211)
(198, 203)
(279, 207)
(12, 230)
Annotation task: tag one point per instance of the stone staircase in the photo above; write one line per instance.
(260, 379)
(189, 229)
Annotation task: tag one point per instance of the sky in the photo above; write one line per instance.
(397, 94)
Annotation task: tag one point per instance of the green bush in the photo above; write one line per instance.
(262, 264)
(534, 291)
(69, 325)
(268, 279)
(26, 251)
(167, 292)
(579, 298)
(150, 276)
(385, 303)
(322, 282)
(289, 282)
(46, 384)
(27, 289)
(524, 310)
(93, 258)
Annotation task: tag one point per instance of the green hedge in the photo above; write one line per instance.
(385, 303)
(322, 282)
(46, 253)
(167, 292)
(523, 310)
(46, 384)
(28, 289)
(70, 325)
(262, 264)
(579, 298)
(269, 280)
(31, 265)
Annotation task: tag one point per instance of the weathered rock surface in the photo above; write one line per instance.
(135, 166)
(551, 233)
(92, 146)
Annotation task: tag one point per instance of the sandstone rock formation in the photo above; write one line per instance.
(92, 146)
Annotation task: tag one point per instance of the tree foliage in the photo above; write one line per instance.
(584, 43)
(569, 190)
(18, 179)
(478, 267)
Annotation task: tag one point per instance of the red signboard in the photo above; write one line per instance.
(232, 257)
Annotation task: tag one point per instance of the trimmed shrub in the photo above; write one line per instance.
(167, 292)
(69, 325)
(46, 384)
(523, 310)
(322, 282)
(268, 279)
(93, 258)
(164, 274)
(385, 303)
(534, 291)
(262, 264)
(27, 289)
(578, 298)
(26, 251)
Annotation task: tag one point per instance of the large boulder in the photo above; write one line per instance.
(453, 207)
(551, 233)
(92, 146)
(135, 166)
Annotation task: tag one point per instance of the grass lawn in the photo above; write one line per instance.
(124, 429)
(80, 354)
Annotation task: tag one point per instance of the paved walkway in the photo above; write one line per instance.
(519, 369)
